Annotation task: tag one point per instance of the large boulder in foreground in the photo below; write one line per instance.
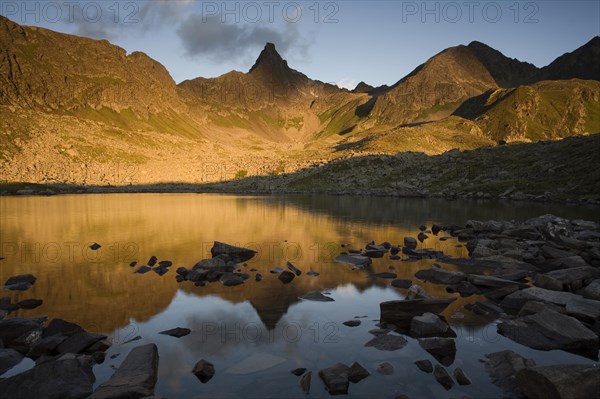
(549, 330)
(564, 381)
(135, 378)
(237, 254)
(69, 377)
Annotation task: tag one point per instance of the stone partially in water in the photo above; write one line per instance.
(430, 325)
(442, 349)
(30, 303)
(352, 323)
(571, 381)
(401, 283)
(461, 377)
(503, 367)
(135, 378)
(238, 254)
(21, 282)
(204, 370)
(177, 332)
(142, 269)
(442, 376)
(549, 330)
(335, 378)
(316, 296)
(305, 382)
(355, 260)
(286, 277)
(437, 275)
(9, 358)
(294, 269)
(357, 373)
(299, 371)
(424, 365)
(68, 377)
(79, 342)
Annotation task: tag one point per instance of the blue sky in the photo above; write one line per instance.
(340, 42)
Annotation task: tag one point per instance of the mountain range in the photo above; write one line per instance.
(78, 110)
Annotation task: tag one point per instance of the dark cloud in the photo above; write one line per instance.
(128, 17)
(209, 37)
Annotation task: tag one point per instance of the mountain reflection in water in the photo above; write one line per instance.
(49, 237)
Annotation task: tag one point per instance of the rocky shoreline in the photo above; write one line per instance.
(542, 287)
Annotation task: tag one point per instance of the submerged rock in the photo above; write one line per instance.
(387, 342)
(385, 368)
(355, 260)
(402, 312)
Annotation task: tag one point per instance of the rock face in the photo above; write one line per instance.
(135, 378)
(560, 382)
(69, 377)
(204, 371)
(549, 330)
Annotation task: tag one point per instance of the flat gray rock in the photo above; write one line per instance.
(549, 330)
(135, 378)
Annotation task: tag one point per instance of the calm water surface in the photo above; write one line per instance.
(257, 332)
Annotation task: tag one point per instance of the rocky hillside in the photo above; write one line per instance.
(83, 111)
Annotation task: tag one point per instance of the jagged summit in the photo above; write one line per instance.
(269, 58)
(271, 67)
